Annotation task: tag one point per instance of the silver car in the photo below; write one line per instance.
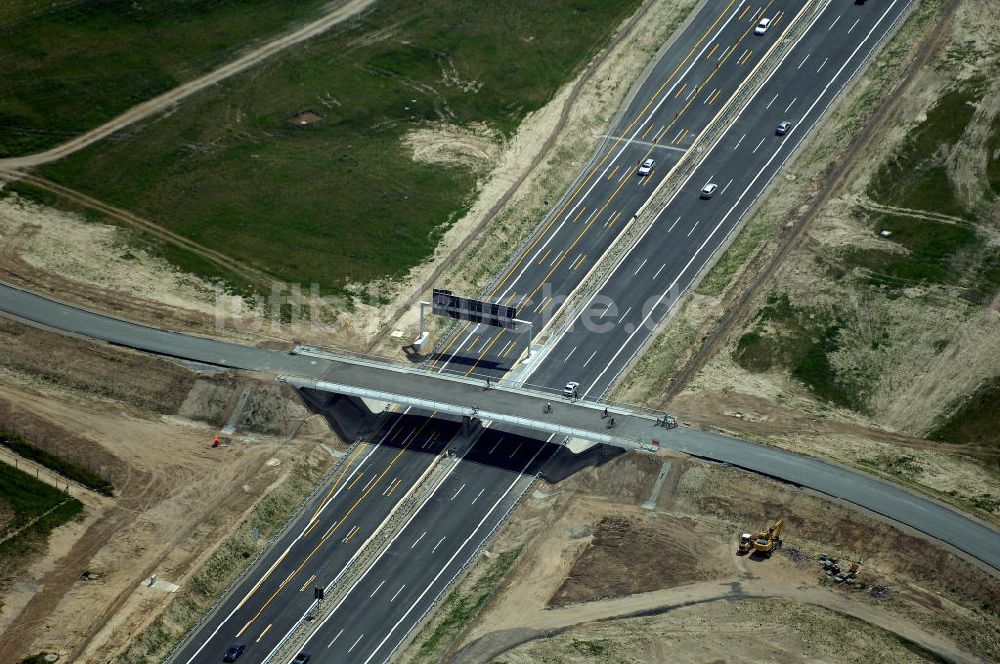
(647, 167)
(709, 190)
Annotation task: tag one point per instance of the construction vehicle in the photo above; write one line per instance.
(745, 545)
(768, 541)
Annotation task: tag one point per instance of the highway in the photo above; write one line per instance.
(682, 93)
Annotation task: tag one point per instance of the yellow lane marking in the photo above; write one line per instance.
(264, 632)
(713, 97)
(709, 56)
(545, 255)
(743, 13)
(350, 535)
(337, 525)
(541, 305)
(304, 585)
(473, 343)
(579, 213)
(679, 91)
(648, 129)
(612, 173)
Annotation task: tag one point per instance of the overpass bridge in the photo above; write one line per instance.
(501, 402)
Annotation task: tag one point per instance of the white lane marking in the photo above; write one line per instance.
(693, 227)
(545, 245)
(555, 259)
(624, 175)
(590, 358)
(606, 310)
(455, 555)
(401, 532)
(477, 496)
(335, 638)
(726, 187)
(773, 156)
(822, 65)
(379, 587)
(740, 141)
(438, 544)
(758, 146)
(790, 104)
(516, 449)
(356, 643)
(622, 317)
(495, 445)
(365, 488)
(772, 101)
(853, 26)
(673, 224)
(418, 539)
(302, 534)
(393, 599)
(660, 270)
(834, 22)
(570, 355)
(458, 492)
(504, 350)
(803, 60)
(640, 267)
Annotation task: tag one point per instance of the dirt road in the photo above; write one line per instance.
(171, 97)
(543, 623)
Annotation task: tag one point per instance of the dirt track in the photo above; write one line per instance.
(171, 97)
(546, 623)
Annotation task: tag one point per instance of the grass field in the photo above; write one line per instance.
(32, 505)
(70, 66)
(64, 467)
(340, 201)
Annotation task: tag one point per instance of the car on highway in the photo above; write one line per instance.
(709, 190)
(234, 652)
(783, 128)
(571, 389)
(762, 27)
(301, 658)
(646, 167)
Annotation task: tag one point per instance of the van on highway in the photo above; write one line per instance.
(762, 27)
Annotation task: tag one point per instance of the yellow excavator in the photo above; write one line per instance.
(768, 541)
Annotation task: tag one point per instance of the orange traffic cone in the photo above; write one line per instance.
(215, 442)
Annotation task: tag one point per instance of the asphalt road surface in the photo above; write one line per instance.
(680, 96)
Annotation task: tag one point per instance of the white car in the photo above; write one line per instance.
(647, 167)
(570, 389)
(762, 27)
(708, 190)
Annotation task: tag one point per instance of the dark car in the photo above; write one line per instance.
(301, 658)
(234, 652)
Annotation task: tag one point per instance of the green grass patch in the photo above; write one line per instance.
(800, 340)
(71, 66)
(974, 420)
(340, 201)
(916, 176)
(28, 503)
(64, 467)
(461, 607)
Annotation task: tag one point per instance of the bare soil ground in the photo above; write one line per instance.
(592, 554)
(145, 424)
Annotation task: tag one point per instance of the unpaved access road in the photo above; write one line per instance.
(164, 101)
(544, 623)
